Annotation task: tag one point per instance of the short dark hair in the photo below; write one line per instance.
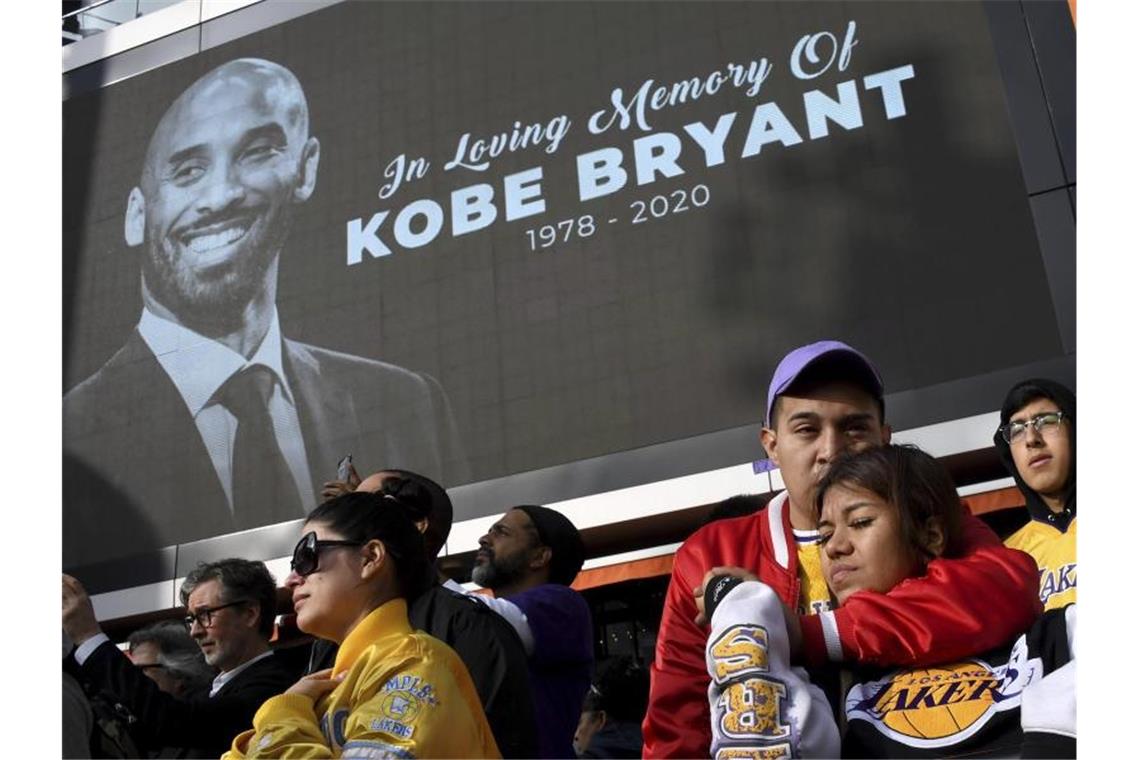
(828, 370)
(909, 479)
(621, 689)
(424, 498)
(239, 579)
(363, 516)
(178, 653)
(1032, 389)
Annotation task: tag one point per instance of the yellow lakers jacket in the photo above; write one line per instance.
(404, 695)
(1055, 552)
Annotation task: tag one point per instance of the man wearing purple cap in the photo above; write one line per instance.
(826, 398)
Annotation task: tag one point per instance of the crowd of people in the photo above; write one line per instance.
(861, 612)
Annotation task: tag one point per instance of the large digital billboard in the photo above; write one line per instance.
(481, 239)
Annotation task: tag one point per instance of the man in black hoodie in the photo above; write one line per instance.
(1037, 442)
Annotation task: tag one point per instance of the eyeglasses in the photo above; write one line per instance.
(308, 552)
(145, 666)
(1047, 422)
(205, 616)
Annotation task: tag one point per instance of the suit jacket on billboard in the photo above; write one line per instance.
(206, 724)
(137, 475)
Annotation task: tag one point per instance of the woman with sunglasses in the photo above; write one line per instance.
(392, 692)
(885, 515)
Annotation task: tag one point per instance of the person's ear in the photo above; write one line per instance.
(886, 433)
(541, 557)
(374, 555)
(934, 537)
(307, 172)
(422, 525)
(134, 222)
(251, 616)
(768, 441)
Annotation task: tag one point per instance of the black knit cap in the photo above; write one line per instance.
(556, 531)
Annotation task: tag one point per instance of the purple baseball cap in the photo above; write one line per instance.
(853, 366)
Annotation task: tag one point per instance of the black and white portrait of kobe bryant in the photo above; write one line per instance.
(209, 420)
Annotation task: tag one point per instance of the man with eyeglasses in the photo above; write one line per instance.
(231, 605)
(1037, 442)
(166, 654)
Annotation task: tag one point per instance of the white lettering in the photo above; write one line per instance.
(471, 155)
(656, 153)
(844, 112)
(769, 125)
(433, 216)
(523, 193)
(712, 143)
(807, 50)
(361, 239)
(600, 173)
(472, 209)
(889, 83)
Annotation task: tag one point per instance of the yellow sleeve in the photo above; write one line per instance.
(416, 711)
(285, 726)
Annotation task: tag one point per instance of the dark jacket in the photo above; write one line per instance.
(493, 654)
(983, 706)
(617, 738)
(1018, 396)
(206, 725)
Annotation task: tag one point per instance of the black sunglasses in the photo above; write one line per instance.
(308, 551)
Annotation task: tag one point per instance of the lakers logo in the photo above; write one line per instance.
(400, 705)
(936, 706)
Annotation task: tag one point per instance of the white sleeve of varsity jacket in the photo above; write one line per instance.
(759, 703)
(1049, 704)
(510, 612)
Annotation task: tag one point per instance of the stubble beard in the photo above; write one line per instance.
(213, 302)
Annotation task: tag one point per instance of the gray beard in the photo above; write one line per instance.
(496, 573)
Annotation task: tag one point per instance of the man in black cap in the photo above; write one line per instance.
(529, 558)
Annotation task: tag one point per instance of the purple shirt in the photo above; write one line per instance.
(560, 665)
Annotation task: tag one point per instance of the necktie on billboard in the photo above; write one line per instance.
(263, 488)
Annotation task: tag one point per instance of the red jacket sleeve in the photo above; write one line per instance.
(677, 721)
(960, 607)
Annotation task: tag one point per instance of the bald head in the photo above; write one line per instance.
(247, 82)
(372, 483)
(227, 165)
